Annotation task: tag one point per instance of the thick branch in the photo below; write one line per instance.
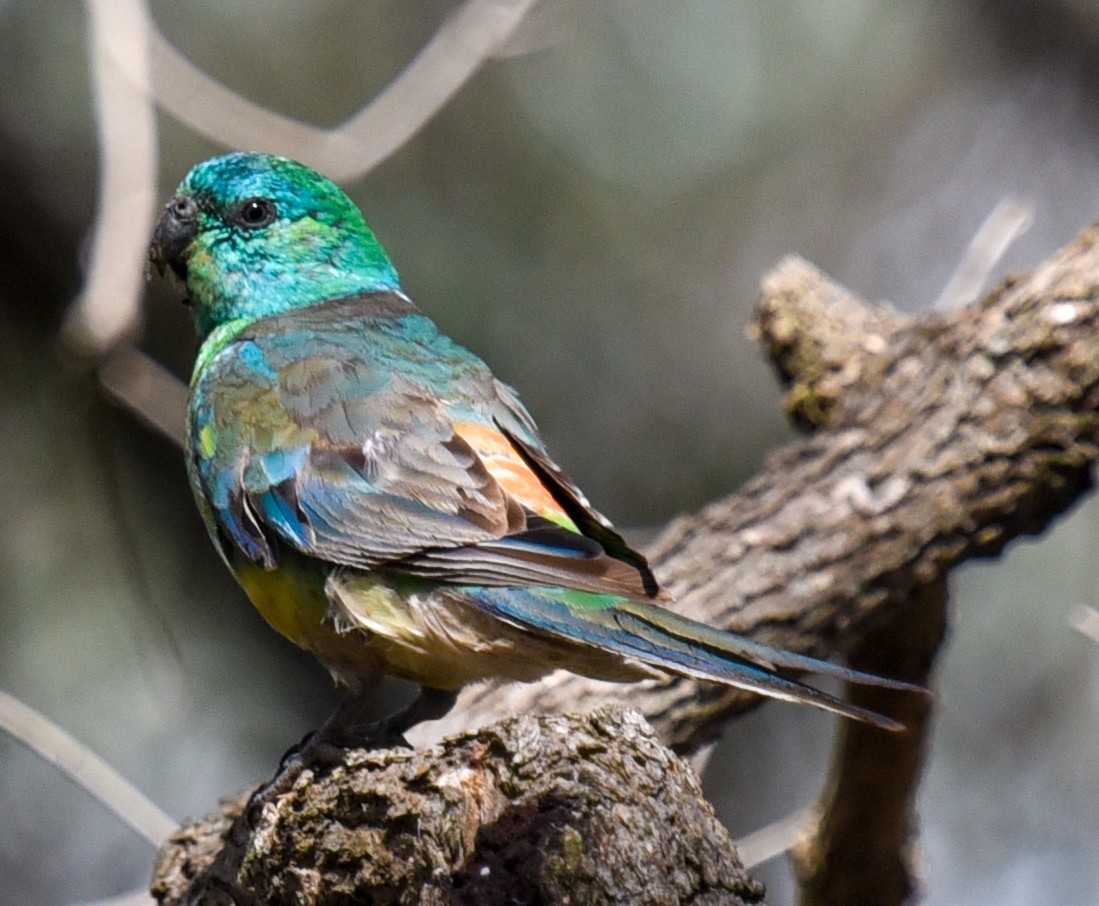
(947, 436)
(533, 810)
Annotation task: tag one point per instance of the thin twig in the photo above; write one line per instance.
(86, 768)
(463, 43)
(1006, 223)
(1085, 620)
(776, 838)
(147, 389)
(108, 309)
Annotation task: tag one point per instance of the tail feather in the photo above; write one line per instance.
(669, 642)
(692, 632)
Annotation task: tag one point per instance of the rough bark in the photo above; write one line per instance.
(940, 438)
(862, 849)
(534, 810)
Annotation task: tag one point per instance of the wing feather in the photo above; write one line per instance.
(355, 432)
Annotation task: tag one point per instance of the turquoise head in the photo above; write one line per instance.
(252, 235)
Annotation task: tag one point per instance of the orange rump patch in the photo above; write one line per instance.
(514, 475)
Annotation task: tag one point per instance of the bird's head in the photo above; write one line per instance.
(252, 235)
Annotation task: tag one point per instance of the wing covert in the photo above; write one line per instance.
(298, 437)
(369, 440)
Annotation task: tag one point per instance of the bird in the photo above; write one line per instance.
(384, 500)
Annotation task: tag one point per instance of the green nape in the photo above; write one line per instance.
(317, 245)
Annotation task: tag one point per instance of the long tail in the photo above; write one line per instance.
(675, 644)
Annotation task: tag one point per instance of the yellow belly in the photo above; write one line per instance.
(431, 634)
(291, 599)
(360, 625)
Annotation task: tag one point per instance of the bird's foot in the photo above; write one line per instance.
(324, 749)
(319, 752)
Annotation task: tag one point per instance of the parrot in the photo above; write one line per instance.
(385, 502)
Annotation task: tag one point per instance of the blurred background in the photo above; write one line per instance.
(591, 213)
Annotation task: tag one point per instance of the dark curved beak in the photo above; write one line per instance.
(175, 231)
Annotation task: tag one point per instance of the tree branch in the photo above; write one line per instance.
(544, 809)
(944, 438)
(861, 848)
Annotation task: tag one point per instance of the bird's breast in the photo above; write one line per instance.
(291, 599)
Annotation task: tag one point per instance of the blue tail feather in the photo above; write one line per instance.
(667, 641)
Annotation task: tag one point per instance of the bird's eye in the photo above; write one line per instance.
(255, 213)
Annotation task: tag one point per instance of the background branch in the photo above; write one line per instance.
(476, 32)
(945, 437)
